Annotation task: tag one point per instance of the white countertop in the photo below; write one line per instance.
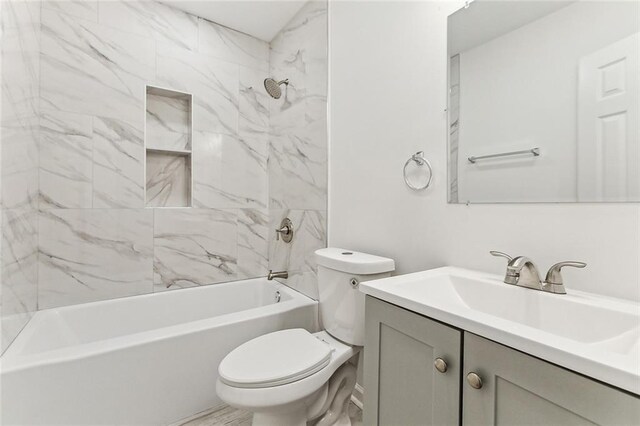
(591, 334)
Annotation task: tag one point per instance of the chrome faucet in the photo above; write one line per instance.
(278, 274)
(521, 271)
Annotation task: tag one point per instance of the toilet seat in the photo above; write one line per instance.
(268, 398)
(275, 359)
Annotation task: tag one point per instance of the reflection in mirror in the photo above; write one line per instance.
(543, 102)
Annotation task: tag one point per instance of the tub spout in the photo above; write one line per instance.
(278, 274)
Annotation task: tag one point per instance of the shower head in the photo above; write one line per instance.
(273, 87)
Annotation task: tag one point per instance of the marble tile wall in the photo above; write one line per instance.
(19, 133)
(75, 227)
(168, 121)
(298, 145)
(454, 126)
(168, 180)
(97, 239)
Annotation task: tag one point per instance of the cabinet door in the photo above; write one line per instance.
(518, 389)
(402, 385)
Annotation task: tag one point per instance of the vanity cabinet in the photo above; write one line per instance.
(520, 389)
(485, 383)
(403, 385)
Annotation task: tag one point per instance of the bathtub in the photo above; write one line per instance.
(144, 360)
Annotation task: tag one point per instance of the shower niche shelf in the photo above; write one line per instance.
(168, 148)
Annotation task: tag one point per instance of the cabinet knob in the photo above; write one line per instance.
(441, 365)
(474, 380)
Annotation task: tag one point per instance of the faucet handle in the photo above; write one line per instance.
(501, 254)
(285, 231)
(554, 277)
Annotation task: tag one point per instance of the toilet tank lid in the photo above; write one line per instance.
(353, 262)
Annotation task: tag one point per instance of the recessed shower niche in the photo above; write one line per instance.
(168, 123)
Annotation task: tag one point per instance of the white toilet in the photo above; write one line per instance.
(292, 377)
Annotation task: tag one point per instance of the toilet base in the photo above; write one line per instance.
(327, 407)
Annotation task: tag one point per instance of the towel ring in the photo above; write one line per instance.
(419, 159)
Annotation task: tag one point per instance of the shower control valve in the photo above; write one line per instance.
(285, 231)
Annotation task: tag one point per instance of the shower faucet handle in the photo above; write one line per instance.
(285, 230)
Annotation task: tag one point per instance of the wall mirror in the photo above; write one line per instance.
(543, 102)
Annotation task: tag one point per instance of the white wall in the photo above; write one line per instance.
(387, 98)
(528, 80)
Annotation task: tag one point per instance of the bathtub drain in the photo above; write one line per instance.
(277, 296)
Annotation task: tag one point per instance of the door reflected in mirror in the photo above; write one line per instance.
(544, 102)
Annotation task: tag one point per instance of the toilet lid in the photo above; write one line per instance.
(275, 359)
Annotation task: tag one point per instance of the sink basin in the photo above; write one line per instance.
(568, 316)
(594, 335)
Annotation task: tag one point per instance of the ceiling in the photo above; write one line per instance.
(486, 20)
(262, 19)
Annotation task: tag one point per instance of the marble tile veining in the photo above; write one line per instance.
(253, 247)
(214, 83)
(19, 163)
(168, 122)
(168, 180)
(253, 104)
(298, 172)
(151, 19)
(229, 172)
(83, 9)
(94, 254)
(92, 69)
(233, 46)
(20, 15)
(66, 160)
(19, 266)
(118, 155)
(19, 249)
(454, 126)
(20, 49)
(194, 247)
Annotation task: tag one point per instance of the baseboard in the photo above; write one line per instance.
(357, 397)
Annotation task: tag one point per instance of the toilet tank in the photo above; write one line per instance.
(341, 302)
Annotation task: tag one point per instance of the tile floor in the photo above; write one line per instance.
(229, 416)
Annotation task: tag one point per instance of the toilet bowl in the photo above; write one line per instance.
(292, 377)
(291, 396)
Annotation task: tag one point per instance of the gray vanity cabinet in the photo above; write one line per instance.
(499, 385)
(403, 384)
(518, 389)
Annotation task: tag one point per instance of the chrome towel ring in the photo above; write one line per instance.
(420, 161)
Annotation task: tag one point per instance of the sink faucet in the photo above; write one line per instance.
(521, 271)
(278, 274)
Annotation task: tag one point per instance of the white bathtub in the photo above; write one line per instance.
(144, 360)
